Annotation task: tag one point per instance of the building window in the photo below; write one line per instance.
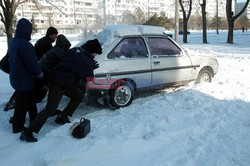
(88, 4)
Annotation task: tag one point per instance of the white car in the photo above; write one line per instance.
(143, 57)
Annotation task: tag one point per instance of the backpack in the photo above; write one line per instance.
(4, 64)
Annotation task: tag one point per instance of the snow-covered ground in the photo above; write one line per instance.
(207, 124)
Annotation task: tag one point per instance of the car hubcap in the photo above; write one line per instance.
(122, 95)
(205, 77)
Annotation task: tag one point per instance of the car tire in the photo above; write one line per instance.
(204, 76)
(121, 94)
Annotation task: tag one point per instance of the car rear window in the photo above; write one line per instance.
(162, 46)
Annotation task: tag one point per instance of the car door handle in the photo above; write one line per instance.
(156, 62)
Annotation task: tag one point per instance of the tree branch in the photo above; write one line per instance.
(229, 9)
(182, 8)
(243, 9)
(190, 9)
(55, 7)
(2, 5)
(2, 19)
(38, 7)
(21, 2)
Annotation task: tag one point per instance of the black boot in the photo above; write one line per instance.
(17, 128)
(62, 119)
(27, 136)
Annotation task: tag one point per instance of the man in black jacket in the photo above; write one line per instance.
(42, 46)
(78, 65)
(52, 57)
(45, 43)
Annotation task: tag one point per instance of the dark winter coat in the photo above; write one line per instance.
(22, 58)
(52, 57)
(75, 66)
(43, 45)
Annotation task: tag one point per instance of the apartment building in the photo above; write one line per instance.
(70, 16)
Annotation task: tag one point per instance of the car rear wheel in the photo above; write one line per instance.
(204, 76)
(121, 94)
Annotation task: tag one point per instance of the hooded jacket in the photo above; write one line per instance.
(52, 58)
(22, 58)
(78, 64)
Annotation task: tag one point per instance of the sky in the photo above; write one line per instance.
(207, 124)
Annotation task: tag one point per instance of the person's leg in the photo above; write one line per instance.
(22, 105)
(41, 90)
(54, 98)
(32, 106)
(76, 97)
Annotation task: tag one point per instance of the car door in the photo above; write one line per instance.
(169, 63)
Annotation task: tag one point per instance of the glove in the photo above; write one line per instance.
(96, 64)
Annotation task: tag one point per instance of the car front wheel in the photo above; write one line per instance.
(204, 76)
(121, 94)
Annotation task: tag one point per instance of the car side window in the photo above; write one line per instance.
(163, 47)
(129, 48)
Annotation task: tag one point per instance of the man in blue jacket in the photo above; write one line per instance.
(24, 70)
(77, 65)
(41, 47)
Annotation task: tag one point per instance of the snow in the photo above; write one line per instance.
(207, 124)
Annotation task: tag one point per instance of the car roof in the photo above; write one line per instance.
(111, 32)
(124, 30)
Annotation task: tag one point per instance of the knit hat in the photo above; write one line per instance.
(51, 31)
(93, 46)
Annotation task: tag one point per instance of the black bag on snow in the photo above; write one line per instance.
(4, 64)
(80, 129)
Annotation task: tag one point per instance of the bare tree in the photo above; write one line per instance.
(98, 24)
(195, 21)
(161, 20)
(231, 18)
(240, 22)
(128, 18)
(34, 26)
(185, 18)
(140, 16)
(8, 11)
(204, 21)
(8, 14)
